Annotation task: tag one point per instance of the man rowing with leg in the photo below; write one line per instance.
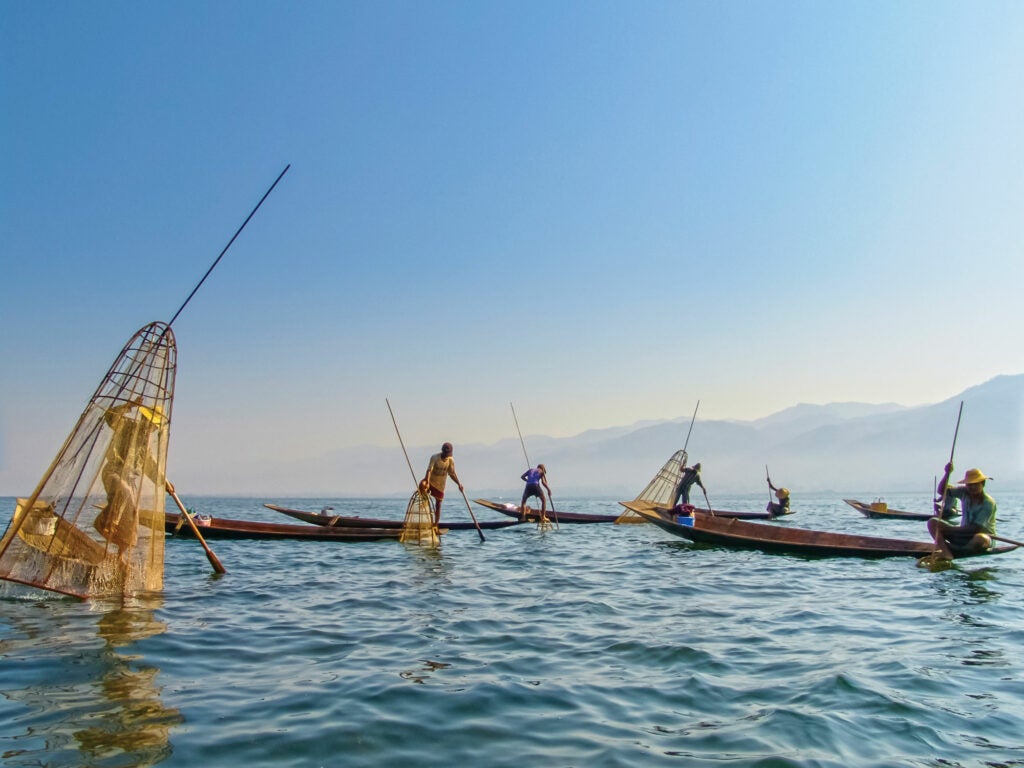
(440, 468)
(534, 478)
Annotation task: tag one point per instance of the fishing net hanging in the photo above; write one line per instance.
(662, 488)
(418, 527)
(94, 526)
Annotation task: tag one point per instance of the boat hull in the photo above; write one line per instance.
(734, 533)
(654, 508)
(532, 515)
(342, 521)
(571, 518)
(223, 528)
(888, 514)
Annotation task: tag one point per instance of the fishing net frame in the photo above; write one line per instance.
(419, 527)
(661, 490)
(94, 525)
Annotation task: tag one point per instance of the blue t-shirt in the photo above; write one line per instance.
(533, 476)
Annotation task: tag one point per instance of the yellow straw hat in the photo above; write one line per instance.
(155, 415)
(974, 476)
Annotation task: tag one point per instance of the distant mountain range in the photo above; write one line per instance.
(842, 447)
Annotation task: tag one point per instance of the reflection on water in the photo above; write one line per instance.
(422, 674)
(76, 693)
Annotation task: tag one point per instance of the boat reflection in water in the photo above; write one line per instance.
(78, 701)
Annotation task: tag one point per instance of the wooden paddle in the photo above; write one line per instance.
(214, 561)
(939, 540)
(692, 419)
(1006, 540)
(472, 515)
(945, 488)
(710, 510)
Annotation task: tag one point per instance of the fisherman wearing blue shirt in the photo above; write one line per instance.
(535, 477)
(977, 522)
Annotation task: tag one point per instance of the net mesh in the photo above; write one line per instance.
(94, 526)
(418, 527)
(662, 488)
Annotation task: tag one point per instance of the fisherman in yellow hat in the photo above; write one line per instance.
(128, 459)
(977, 521)
(780, 507)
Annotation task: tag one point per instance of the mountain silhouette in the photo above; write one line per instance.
(842, 447)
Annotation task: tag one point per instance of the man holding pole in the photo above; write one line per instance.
(440, 468)
(978, 520)
(534, 478)
(690, 477)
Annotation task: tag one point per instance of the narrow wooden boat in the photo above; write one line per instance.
(729, 532)
(223, 528)
(651, 507)
(532, 515)
(341, 521)
(880, 510)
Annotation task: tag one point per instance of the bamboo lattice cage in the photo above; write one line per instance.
(94, 526)
(662, 488)
(418, 527)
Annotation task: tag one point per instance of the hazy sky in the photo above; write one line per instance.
(601, 211)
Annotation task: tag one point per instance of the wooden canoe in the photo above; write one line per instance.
(223, 528)
(512, 510)
(651, 507)
(532, 515)
(341, 521)
(728, 532)
(880, 511)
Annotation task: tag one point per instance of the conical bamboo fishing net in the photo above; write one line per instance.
(419, 527)
(94, 526)
(662, 488)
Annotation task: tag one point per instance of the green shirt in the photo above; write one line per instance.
(979, 513)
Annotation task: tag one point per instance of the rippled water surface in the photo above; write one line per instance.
(593, 645)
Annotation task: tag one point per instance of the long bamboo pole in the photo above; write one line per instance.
(529, 465)
(692, 419)
(232, 240)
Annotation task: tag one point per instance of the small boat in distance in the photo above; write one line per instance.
(880, 510)
(727, 532)
(223, 528)
(323, 518)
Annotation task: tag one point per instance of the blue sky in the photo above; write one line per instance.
(602, 212)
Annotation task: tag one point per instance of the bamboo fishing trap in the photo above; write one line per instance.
(94, 526)
(419, 527)
(662, 488)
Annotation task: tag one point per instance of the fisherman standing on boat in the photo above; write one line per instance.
(127, 461)
(535, 477)
(440, 468)
(689, 478)
(780, 507)
(977, 522)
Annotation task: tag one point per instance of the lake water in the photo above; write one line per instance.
(594, 645)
